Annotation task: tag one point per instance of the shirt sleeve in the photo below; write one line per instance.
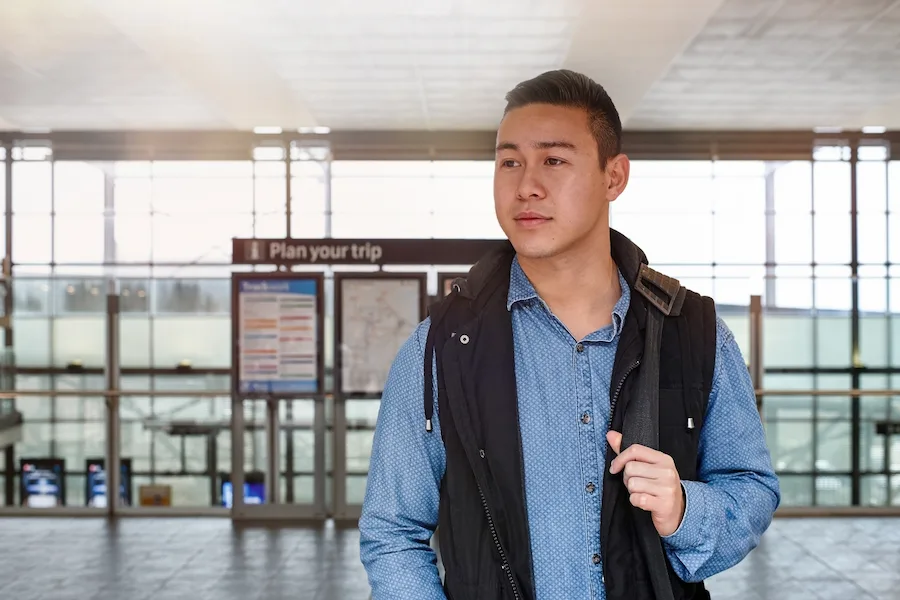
(732, 504)
(400, 508)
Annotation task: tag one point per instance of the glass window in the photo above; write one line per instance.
(134, 341)
(80, 295)
(31, 341)
(309, 189)
(206, 296)
(894, 207)
(787, 339)
(34, 408)
(133, 195)
(31, 296)
(32, 241)
(874, 322)
(79, 188)
(133, 238)
(134, 295)
(79, 340)
(793, 287)
(195, 187)
(32, 189)
(79, 239)
(205, 341)
(184, 239)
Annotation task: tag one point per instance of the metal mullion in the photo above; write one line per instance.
(854, 324)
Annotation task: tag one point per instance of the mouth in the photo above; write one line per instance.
(530, 220)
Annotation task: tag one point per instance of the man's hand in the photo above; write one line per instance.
(653, 482)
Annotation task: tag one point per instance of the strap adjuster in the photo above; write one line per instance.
(664, 292)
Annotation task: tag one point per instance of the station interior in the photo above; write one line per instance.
(160, 162)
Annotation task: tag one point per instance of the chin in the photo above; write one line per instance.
(535, 249)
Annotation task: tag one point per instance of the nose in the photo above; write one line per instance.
(530, 186)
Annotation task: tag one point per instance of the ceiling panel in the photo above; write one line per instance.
(770, 64)
(443, 64)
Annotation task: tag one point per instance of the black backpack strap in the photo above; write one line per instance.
(468, 295)
(437, 313)
(641, 423)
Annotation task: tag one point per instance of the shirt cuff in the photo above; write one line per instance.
(691, 532)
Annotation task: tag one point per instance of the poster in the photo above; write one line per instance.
(278, 335)
(95, 482)
(254, 489)
(377, 317)
(43, 482)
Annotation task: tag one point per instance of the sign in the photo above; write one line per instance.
(361, 251)
(278, 334)
(254, 489)
(95, 482)
(155, 495)
(43, 482)
(887, 428)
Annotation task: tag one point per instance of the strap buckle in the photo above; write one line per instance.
(663, 292)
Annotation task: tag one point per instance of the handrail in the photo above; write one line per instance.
(120, 393)
(228, 393)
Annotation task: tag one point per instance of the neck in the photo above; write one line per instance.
(588, 270)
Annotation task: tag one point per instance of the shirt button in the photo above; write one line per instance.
(585, 418)
(579, 347)
(590, 487)
(596, 559)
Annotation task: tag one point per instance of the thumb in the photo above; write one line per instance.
(615, 440)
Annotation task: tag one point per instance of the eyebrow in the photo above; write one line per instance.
(538, 145)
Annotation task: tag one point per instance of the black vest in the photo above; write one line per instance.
(483, 526)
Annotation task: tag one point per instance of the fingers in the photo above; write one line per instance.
(648, 502)
(643, 470)
(641, 454)
(615, 440)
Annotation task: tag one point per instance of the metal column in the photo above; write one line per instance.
(855, 406)
(756, 352)
(113, 472)
(273, 452)
(9, 480)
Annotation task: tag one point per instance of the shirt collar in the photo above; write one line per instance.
(521, 290)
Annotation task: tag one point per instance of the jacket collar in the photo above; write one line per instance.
(627, 255)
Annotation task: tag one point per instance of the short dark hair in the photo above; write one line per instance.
(574, 90)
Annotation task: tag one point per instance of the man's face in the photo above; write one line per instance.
(550, 192)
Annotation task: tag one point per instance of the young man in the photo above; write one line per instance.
(532, 371)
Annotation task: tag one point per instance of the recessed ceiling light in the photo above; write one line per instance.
(316, 130)
(874, 129)
(828, 129)
(267, 130)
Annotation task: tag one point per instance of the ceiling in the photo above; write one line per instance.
(443, 64)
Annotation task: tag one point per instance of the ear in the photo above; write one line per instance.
(618, 170)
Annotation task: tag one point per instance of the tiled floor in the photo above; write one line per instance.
(209, 559)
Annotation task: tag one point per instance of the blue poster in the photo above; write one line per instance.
(278, 336)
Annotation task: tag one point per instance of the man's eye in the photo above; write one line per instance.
(508, 163)
(554, 162)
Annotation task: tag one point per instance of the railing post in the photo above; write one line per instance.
(756, 353)
(113, 473)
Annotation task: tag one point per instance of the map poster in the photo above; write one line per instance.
(278, 335)
(378, 314)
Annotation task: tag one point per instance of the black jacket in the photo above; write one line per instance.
(484, 535)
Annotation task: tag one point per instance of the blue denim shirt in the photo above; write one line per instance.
(726, 512)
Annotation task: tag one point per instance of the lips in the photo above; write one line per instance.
(531, 219)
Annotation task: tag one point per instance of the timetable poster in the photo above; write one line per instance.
(278, 330)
